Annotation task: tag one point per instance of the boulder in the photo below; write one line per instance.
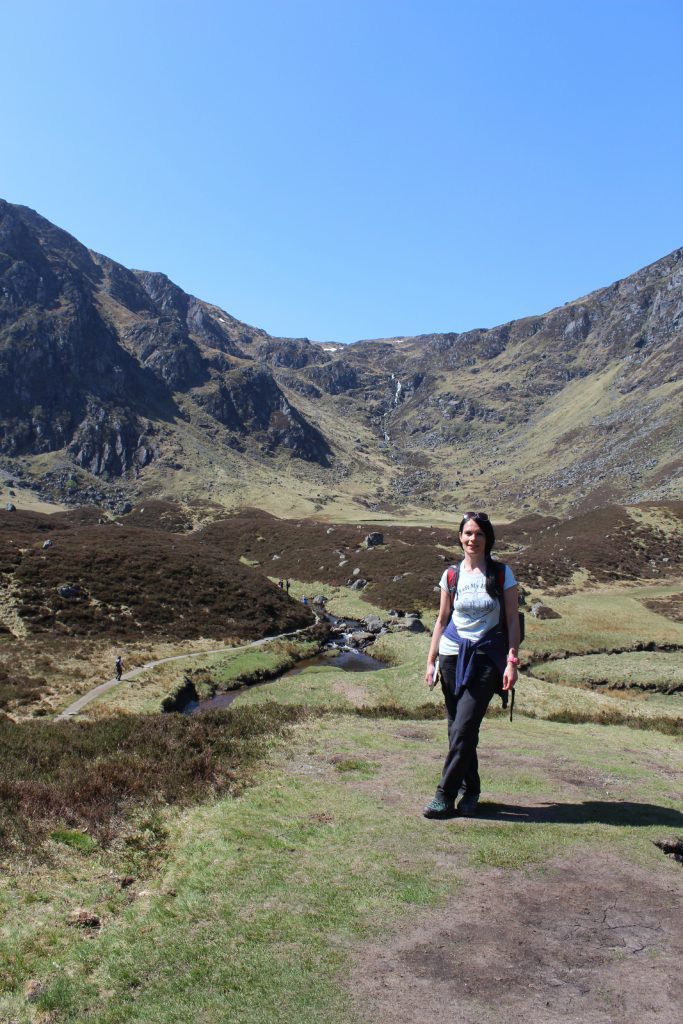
(409, 624)
(373, 623)
(47, 544)
(361, 636)
(320, 600)
(373, 539)
(70, 591)
(9, 507)
(359, 584)
(542, 611)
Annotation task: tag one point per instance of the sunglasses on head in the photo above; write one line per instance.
(476, 516)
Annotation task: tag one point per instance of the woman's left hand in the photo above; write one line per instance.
(509, 676)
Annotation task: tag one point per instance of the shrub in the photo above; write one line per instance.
(95, 775)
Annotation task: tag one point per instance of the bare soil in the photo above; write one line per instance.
(354, 692)
(592, 939)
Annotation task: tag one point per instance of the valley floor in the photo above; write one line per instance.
(323, 895)
(320, 893)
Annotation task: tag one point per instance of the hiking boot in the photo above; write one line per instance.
(468, 805)
(439, 808)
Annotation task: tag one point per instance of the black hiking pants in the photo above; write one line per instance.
(465, 711)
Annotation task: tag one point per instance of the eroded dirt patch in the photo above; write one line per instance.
(354, 692)
(592, 940)
(414, 733)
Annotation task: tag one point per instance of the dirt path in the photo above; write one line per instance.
(585, 923)
(91, 695)
(593, 940)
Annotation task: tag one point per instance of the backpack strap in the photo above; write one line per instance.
(452, 582)
(500, 587)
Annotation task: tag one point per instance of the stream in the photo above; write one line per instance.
(344, 652)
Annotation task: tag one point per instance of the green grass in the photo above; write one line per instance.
(648, 670)
(210, 673)
(76, 840)
(342, 601)
(264, 861)
(261, 902)
(361, 768)
(512, 846)
(400, 690)
(606, 619)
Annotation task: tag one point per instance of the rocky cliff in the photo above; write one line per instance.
(91, 354)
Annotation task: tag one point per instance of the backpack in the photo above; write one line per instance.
(452, 584)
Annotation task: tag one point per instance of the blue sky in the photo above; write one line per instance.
(355, 169)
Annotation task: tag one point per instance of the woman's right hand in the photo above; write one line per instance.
(429, 675)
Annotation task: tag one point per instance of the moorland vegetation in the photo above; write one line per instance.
(287, 829)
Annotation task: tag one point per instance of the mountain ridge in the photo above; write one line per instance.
(111, 380)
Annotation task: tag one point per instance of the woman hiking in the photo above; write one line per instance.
(476, 635)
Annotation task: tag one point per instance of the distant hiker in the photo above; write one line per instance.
(304, 600)
(287, 585)
(119, 668)
(281, 584)
(477, 638)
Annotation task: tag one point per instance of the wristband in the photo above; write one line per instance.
(514, 661)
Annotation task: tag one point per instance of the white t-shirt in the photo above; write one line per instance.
(474, 610)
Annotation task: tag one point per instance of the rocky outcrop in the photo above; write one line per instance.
(168, 351)
(336, 377)
(109, 442)
(290, 353)
(250, 402)
(88, 347)
(543, 611)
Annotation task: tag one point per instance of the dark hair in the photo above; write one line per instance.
(486, 527)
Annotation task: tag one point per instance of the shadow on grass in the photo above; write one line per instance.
(588, 812)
